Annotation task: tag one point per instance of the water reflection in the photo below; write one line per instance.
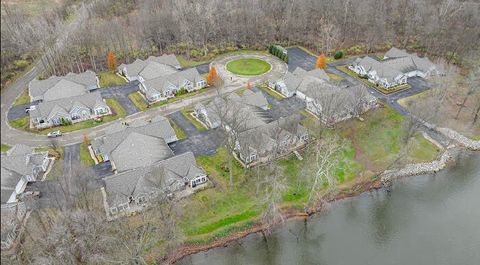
(424, 220)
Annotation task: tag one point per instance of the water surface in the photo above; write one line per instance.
(430, 219)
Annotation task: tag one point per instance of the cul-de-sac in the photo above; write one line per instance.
(154, 132)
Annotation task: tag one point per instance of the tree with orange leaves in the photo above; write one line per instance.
(111, 61)
(212, 76)
(321, 62)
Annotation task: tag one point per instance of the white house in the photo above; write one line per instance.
(395, 68)
(73, 109)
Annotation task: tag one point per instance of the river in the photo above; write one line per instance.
(428, 219)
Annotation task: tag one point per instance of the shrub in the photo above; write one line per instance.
(20, 63)
(338, 55)
(181, 92)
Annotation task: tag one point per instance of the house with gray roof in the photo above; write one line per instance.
(20, 165)
(69, 110)
(292, 81)
(150, 68)
(332, 103)
(131, 191)
(246, 111)
(167, 86)
(271, 140)
(135, 145)
(59, 87)
(395, 68)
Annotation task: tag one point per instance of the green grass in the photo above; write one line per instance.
(384, 90)
(186, 63)
(117, 110)
(5, 148)
(21, 123)
(187, 114)
(57, 168)
(110, 79)
(85, 157)
(248, 66)
(138, 100)
(23, 98)
(272, 93)
(177, 98)
(420, 149)
(178, 131)
(335, 77)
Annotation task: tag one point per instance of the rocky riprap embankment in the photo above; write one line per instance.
(462, 140)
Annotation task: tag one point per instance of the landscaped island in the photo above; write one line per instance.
(248, 66)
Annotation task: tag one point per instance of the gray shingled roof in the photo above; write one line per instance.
(141, 143)
(152, 67)
(176, 79)
(169, 174)
(395, 53)
(48, 109)
(57, 87)
(18, 162)
(256, 99)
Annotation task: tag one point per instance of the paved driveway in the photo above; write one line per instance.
(203, 143)
(184, 123)
(299, 58)
(121, 94)
(71, 158)
(19, 111)
(203, 68)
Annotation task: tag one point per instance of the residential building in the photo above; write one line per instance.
(395, 68)
(69, 110)
(246, 111)
(292, 81)
(332, 103)
(271, 140)
(135, 145)
(167, 86)
(150, 68)
(131, 191)
(20, 165)
(59, 87)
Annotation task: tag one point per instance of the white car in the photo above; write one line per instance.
(28, 109)
(54, 134)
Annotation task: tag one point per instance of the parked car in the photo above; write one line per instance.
(28, 109)
(54, 134)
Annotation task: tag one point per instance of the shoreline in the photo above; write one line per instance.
(291, 214)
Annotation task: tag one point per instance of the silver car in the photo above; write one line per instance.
(54, 134)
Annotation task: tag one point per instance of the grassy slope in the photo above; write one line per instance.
(85, 157)
(5, 147)
(23, 98)
(138, 100)
(178, 131)
(187, 114)
(110, 79)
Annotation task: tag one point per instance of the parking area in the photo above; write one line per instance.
(203, 68)
(299, 58)
(204, 143)
(184, 123)
(121, 94)
(18, 111)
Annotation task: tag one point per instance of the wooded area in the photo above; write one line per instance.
(195, 29)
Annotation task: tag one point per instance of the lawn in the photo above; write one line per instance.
(23, 98)
(345, 69)
(138, 100)
(178, 131)
(117, 110)
(248, 66)
(85, 157)
(187, 63)
(57, 168)
(271, 92)
(177, 98)
(379, 138)
(110, 79)
(335, 77)
(5, 148)
(21, 123)
(187, 113)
